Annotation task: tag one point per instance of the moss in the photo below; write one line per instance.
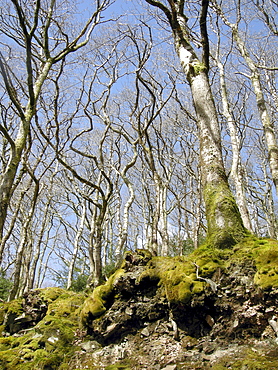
(53, 293)
(225, 227)
(122, 365)
(183, 293)
(66, 305)
(118, 367)
(177, 275)
(96, 304)
(198, 287)
(266, 259)
(262, 253)
(14, 306)
(9, 342)
(248, 359)
(50, 342)
(144, 253)
(198, 68)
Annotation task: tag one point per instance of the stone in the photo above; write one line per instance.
(90, 346)
(52, 339)
(145, 332)
(274, 324)
(210, 320)
(170, 367)
(129, 311)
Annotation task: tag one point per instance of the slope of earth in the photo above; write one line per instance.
(214, 309)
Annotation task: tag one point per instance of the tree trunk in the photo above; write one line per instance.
(225, 226)
(267, 122)
(8, 177)
(237, 172)
(23, 246)
(76, 245)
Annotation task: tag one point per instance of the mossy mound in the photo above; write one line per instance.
(177, 275)
(96, 304)
(181, 278)
(263, 254)
(50, 343)
(149, 290)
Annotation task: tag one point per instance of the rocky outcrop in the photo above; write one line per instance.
(30, 310)
(39, 330)
(214, 309)
(152, 321)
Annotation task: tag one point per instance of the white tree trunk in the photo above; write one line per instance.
(225, 225)
(237, 171)
(76, 245)
(268, 124)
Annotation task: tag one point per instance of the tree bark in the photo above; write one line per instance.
(225, 226)
(76, 245)
(237, 172)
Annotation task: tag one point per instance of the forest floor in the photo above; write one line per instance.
(213, 309)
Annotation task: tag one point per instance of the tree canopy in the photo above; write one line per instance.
(129, 125)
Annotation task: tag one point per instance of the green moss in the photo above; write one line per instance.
(50, 342)
(122, 365)
(262, 253)
(266, 259)
(248, 359)
(198, 287)
(118, 367)
(198, 68)
(14, 306)
(183, 292)
(53, 293)
(177, 275)
(66, 305)
(96, 304)
(225, 227)
(144, 253)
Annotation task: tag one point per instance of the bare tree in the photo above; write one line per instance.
(255, 77)
(43, 42)
(237, 171)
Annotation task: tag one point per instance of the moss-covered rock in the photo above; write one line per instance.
(150, 303)
(49, 343)
(178, 278)
(96, 304)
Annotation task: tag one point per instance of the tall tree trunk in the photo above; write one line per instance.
(37, 248)
(237, 172)
(23, 245)
(76, 245)
(225, 226)
(8, 177)
(17, 145)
